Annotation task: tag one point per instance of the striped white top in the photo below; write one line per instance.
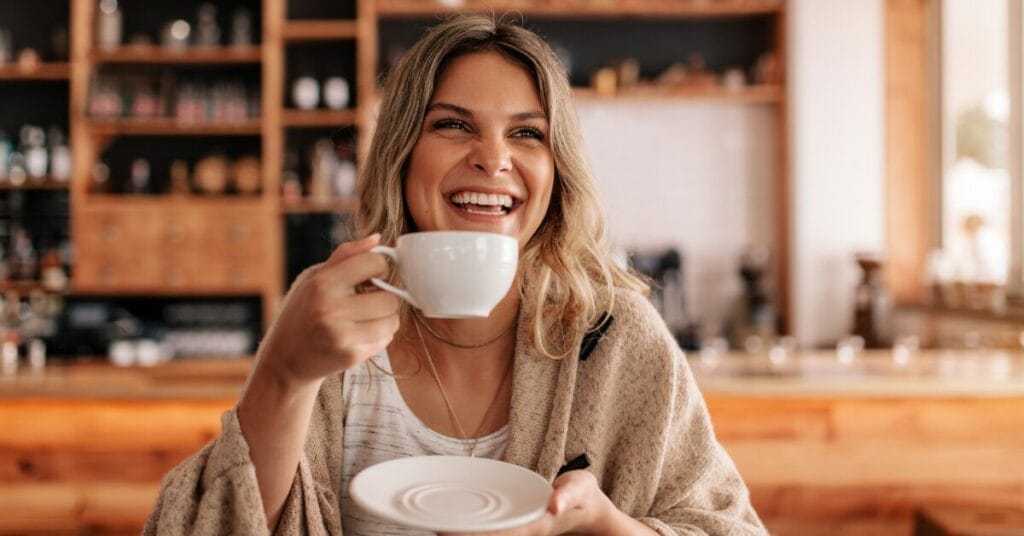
(379, 426)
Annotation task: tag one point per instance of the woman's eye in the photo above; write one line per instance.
(529, 133)
(455, 124)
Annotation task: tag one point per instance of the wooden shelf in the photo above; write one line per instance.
(164, 290)
(319, 30)
(43, 71)
(47, 184)
(318, 118)
(166, 126)
(1008, 316)
(765, 94)
(185, 56)
(653, 9)
(309, 206)
(129, 201)
(27, 287)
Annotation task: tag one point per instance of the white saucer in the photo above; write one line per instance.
(452, 493)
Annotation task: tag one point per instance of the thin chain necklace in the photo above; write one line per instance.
(448, 404)
(438, 336)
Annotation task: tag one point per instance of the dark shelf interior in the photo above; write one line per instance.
(160, 152)
(322, 9)
(310, 238)
(149, 18)
(41, 25)
(592, 44)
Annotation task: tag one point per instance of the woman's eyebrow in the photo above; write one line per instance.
(465, 112)
(458, 110)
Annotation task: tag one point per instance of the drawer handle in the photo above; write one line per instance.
(108, 233)
(174, 276)
(175, 233)
(236, 275)
(237, 233)
(108, 275)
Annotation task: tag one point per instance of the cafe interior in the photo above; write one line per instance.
(827, 197)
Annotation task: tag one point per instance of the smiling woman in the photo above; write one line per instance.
(572, 375)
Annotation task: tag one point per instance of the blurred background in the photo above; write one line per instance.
(827, 194)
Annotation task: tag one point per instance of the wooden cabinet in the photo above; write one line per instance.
(164, 248)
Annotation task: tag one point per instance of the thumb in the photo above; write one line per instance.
(355, 247)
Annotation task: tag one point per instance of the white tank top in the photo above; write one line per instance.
(379, 426)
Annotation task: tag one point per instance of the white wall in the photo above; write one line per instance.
(837, 156)
(695, 176)
(699, 176)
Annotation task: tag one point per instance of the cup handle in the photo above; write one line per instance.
(393, 255)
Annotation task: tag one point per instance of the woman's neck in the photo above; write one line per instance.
(462, 345)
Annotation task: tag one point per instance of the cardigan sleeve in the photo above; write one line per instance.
(215, 490)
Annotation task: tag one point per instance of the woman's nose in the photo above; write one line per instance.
(491, 156)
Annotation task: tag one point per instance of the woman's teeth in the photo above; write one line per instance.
(480, 203)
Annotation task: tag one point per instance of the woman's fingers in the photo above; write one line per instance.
(347, 249)
(341, 277)
(370, 306)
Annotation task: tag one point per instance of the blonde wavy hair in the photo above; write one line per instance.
(569, 275)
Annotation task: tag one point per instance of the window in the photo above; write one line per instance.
(980, 236)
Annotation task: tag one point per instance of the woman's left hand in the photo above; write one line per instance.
(577, 506)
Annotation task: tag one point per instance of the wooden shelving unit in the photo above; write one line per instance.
(765, 94)
(27, 287)
(309, 206)
(279, 124)
(40, 72)
(654, 9)
(130, 202)
(318, 118)
(319, 30)
(171, 127)
(32, 185)
(153, 54)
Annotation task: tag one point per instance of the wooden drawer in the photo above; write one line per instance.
(206, 248)
(238, 232)
(114, 230)
(113, 269)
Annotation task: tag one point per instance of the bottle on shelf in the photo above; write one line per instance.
(241, 28)
(6, 47)
(108, 24)
(33, 147)
(5, 156)
(345, 175)
(336, 93)
(207, 30)
(23, 261)
(140, 176)
(60, 156)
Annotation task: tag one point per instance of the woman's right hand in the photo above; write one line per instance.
(325, 325)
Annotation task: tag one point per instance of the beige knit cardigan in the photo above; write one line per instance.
(632, 407)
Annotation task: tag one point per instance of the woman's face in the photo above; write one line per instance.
(482, 161)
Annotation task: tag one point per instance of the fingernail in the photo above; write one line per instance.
(373, 237)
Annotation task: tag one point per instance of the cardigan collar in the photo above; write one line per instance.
(542, 394)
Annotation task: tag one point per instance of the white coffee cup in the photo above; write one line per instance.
(453, 274)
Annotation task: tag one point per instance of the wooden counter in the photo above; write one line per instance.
(824, 448)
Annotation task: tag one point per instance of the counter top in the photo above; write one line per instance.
(874, 373)
(186, 379)
(871, 373)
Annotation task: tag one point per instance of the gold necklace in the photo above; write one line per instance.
(448, 404)
(438, 336)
